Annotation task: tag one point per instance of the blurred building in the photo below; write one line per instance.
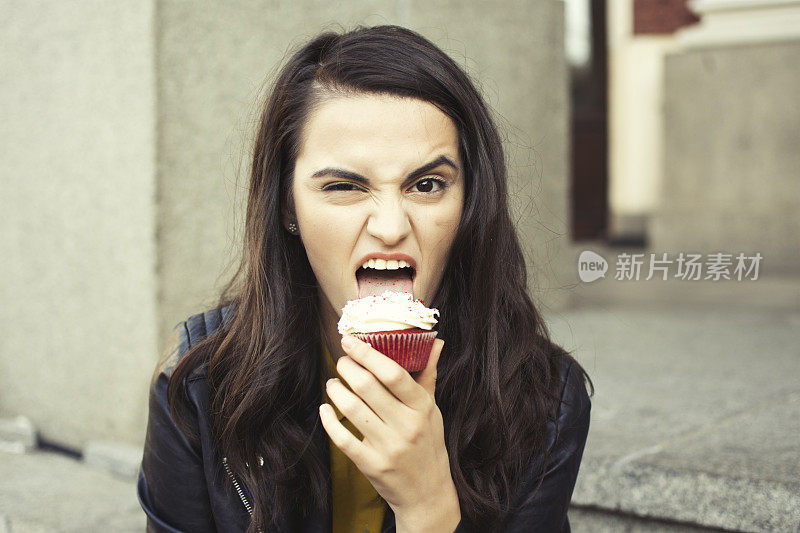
(731, 134)
(702, 128)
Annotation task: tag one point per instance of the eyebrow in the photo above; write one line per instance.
(421, 171)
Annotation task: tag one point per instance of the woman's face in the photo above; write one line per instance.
(377, 174)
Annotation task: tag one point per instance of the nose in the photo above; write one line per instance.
(389, 222)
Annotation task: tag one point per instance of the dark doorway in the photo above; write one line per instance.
(589, 129)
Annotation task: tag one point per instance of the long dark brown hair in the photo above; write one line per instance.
(498, 379)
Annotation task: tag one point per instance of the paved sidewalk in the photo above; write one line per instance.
(44, 492)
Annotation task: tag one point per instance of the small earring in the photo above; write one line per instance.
(292, 228)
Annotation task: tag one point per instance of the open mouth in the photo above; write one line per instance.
(378, 276)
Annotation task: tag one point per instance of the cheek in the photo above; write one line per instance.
(328, 237)
(317, 221)
(321, 241)
(448, 220)
(439, 230)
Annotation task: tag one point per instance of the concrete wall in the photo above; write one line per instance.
(77, 184)
(129, 125)
(732, 132)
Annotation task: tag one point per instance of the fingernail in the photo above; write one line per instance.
(348, 341)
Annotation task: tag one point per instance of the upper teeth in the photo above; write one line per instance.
(383, 264)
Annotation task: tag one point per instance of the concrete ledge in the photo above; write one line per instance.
(47, 492)
(696, 411)
(690, 496)
(17, 435)
(594, 520)
(118, 458)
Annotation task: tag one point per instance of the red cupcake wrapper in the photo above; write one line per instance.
(410, 348)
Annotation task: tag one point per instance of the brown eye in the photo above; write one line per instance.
(428, 185)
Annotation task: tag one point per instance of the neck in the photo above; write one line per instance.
(330, 323)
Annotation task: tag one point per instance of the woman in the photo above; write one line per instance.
(372, 144)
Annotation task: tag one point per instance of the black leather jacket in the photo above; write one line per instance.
(180, 490)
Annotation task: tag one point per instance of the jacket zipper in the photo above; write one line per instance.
(237, 487)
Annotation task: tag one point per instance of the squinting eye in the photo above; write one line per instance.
(346, 187)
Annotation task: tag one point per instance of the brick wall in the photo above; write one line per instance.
(661, 16)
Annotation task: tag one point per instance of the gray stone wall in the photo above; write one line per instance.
(732, 132)
(77, 184)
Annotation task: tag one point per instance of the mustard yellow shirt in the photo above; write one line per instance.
(357, 506)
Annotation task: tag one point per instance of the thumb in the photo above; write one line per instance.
(427, 376)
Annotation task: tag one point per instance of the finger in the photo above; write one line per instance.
(393, 376)
(427, 377)
(356, 411)
(373, 393)
(357, 451)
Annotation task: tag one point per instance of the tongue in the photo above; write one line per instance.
(373, 282)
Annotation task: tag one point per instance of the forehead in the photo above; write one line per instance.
(370, 130)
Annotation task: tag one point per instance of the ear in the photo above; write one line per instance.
(287, 209)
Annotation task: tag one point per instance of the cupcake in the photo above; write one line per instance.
(395, 324)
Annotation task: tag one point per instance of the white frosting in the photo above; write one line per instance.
(389, 311)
